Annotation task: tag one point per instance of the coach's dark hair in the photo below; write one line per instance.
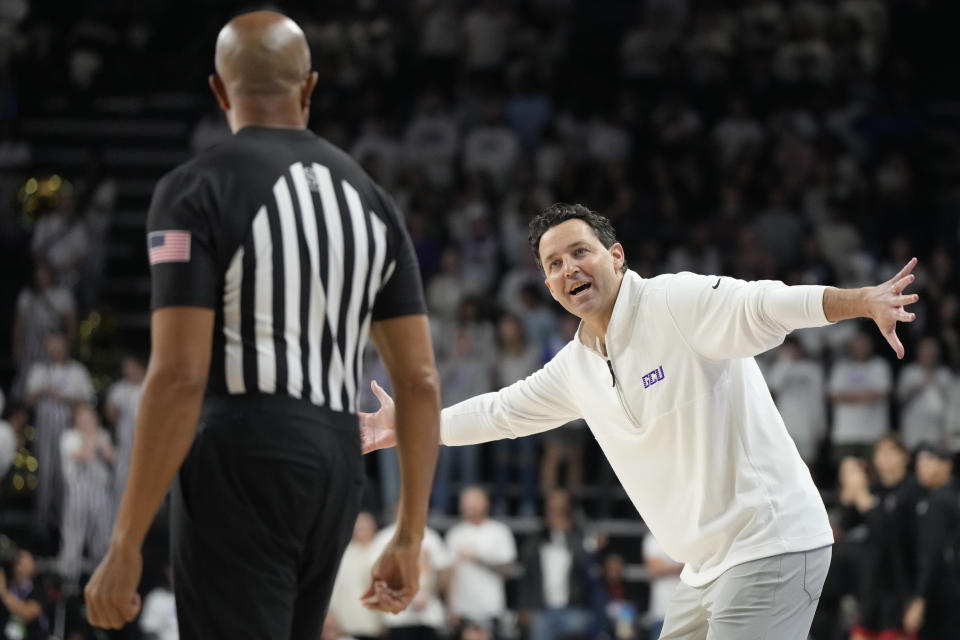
(559, 212)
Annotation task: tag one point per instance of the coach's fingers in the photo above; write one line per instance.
(895, 343)
(907, 268)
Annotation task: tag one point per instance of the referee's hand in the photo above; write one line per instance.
(111, 595)
(378, 430)
(395, 578)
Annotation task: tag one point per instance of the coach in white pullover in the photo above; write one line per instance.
(662, 370)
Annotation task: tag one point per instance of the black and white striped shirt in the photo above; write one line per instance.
(297, 251)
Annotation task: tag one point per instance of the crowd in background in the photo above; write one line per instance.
(765, 139)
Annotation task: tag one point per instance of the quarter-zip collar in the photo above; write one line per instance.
(618, 329)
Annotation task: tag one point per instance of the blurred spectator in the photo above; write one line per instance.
(444, 291)
(483, 552)
(8, 446)
(618, 602)
(664, 575)
(492, 147)
(888, 509)
(13, 437)
(22, 616)
(859, 391)
(798, 387)
(516, 359)
(159, 616)
(464, 375)
(552, 594)
(41, 308)
(425, 618)
(123, 398)
(53, 386)
(431, 141)
(923, 390)
(353, 580)
(486, 31)
(932, 610)
(60, 239)
(566, 442)
(378, 151)
(736, 134)
(97, 196)
(88, 504)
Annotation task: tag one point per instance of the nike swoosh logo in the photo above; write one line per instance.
(716, 285)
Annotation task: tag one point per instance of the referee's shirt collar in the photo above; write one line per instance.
(258, 131)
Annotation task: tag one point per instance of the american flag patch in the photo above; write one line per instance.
(168, 246)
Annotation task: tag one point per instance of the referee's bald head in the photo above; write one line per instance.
(262, 52)
(263, 65)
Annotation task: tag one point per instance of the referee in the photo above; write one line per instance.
(273, 258)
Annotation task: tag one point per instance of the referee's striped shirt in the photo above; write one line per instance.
(297, 251)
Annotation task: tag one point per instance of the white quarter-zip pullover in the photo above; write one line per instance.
(683, 414)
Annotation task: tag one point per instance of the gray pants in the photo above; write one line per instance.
(768, 599)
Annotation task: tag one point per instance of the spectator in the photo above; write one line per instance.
(13, 436)
(60, 240)
(463, 375)
(123, 398)
(859, 391)
(516, 359)
(88, 504)
(932, 611)
(552, 594)
(923, 390)
(617, 617)
(492, 148)
(353, 579)
(41, 308)
(444, 291)
(425, 618)
(431, 141)
(664, 575)
(22, 616)
(159, 616)
(53, 386)
(797, 385)
(486, 30)
(483, 552)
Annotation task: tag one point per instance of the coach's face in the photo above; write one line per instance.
(582, 274)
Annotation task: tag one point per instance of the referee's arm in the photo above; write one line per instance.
(166, 422)
(406, 350)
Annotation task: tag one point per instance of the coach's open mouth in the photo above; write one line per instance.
(580, 288)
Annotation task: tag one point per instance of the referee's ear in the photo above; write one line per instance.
(306, 90)
(220, 91)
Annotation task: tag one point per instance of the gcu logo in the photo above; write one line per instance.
(653, 377)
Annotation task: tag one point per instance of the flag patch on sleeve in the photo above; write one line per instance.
(168, 246)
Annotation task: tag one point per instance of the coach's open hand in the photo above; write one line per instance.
(886, 304)
(395, 578)
(377, 430)
(111, 595)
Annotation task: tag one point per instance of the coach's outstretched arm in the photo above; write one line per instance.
(406, 350)
(166, 422)
(532, 405)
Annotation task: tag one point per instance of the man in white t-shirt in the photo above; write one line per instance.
(664, 578)
(923, 389)
(483, 552)
(797, 384)
(353, 578)
(123, 398)
(860, 392)
(663, 371)
(426, 616)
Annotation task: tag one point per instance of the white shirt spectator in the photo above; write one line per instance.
(159, 615)
(427, 608)
(555, 561)
(374, 142)
(860, 422)
(431, 142)
(440, 33)
(735, 133)
(492, 149)
(798, 385)
(62, 242)
(661, 588)
(924, 395)
(8, 447)
(353, 579)
(487, 35)
(477, 591)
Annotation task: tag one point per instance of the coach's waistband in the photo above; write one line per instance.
(286, 407)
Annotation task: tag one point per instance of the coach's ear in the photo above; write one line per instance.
(616, 250)
(220, 91)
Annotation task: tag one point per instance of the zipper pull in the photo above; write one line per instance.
(613, 378)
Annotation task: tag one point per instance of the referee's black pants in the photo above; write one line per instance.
(262, 511)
